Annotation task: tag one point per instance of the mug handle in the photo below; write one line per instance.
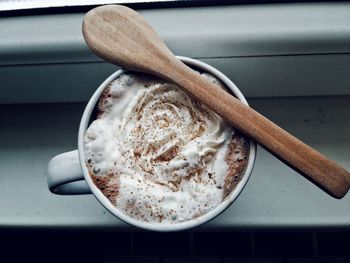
(65, 176)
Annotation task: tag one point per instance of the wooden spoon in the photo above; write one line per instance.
(121, 36)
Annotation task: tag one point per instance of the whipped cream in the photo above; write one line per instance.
(156, 153)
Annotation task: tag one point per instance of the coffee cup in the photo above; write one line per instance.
(68, 173)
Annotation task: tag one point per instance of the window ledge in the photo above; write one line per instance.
(200, 32)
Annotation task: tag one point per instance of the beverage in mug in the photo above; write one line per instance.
(160, 156)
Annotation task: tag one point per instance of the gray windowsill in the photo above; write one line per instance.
(275, 196)
(290, 60)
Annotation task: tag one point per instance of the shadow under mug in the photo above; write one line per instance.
(68, 174)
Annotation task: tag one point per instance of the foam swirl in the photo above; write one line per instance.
(171, 136)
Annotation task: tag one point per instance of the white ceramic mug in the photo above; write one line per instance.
(68, 174)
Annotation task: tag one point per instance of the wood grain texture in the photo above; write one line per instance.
(121, 36)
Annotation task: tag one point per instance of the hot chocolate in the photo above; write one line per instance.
(160, 156)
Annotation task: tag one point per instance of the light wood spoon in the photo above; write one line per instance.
(121, 36)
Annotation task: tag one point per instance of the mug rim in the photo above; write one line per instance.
(163, 227)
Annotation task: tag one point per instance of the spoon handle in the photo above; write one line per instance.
(313, 165)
